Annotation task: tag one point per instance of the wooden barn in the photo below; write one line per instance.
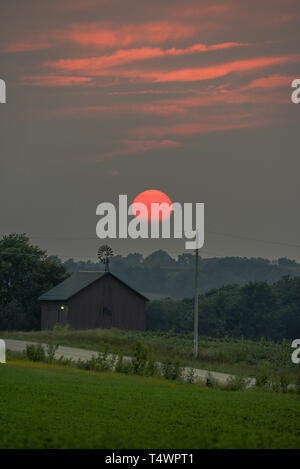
(90, 300)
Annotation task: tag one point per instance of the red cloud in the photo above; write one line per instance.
(275, 81)
(123, 56)
(105, 35)
(216, 71)
(55, 80)
(193, 74)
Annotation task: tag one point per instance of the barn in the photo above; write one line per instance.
(90, 300)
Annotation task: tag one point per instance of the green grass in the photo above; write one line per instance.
(243, 357)
(47, 406)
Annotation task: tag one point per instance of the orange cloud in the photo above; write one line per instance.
(216, 71)
(275, 81)
(123, 56)
(54, 80)
(193, 74)
(106, 35)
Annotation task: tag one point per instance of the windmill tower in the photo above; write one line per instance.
(104, 253)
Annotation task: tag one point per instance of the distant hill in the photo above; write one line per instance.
(160, 275)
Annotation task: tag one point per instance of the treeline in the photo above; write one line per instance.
(25, 273)
(250, 309)
(253, 311)
(163, 275)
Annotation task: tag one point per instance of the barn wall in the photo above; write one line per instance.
(128, 307)
(51, 314)
(85, 308)
(90, 308)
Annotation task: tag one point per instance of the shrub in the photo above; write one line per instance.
(235, 383)
(171, 369)
(284, 383)
(103, 360)
(151, 368)
(35, 353)
(51, 351)
(88, 365)
(120, 363)
(139, 359)
(264, 377)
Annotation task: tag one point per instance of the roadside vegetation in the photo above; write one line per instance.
(245, 358)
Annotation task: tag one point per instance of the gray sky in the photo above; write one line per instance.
(191, 98)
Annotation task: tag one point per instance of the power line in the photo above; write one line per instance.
(228, 235)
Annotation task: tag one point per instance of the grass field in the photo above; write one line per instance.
(48, 406)
(243, 357)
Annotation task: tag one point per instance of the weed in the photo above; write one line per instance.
(35, 353)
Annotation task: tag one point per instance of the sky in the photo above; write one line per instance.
(193, 98)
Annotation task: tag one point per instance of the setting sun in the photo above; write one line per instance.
(151, 197)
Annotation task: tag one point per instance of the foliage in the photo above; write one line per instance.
(171, 369)
(25, 273)
(139, 359)
(35, 353)
(235, 383)
(230, 355)
(256, 310)
(163, 275)
(51, 351)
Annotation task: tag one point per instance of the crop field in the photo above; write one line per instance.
(50, 406)
(242, 357)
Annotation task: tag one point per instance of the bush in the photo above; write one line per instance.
(51, 351)
(139, 359)
(151, 368)
(235, 383)
(103, 361)
(35, 353)
(120, 363)
(171, 369)
(264, 377)
(284, 383)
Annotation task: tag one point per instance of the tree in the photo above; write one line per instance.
(259, 309)
(186, 260)
(134, 260)
(25, 273)
(159, 259)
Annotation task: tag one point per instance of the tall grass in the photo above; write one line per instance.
(224, 354)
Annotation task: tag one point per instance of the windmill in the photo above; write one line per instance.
(104, 253)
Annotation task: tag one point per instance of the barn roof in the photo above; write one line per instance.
(77, 282)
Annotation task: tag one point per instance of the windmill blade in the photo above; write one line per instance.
(104, 253)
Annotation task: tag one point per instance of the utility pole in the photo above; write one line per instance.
(196, 304)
